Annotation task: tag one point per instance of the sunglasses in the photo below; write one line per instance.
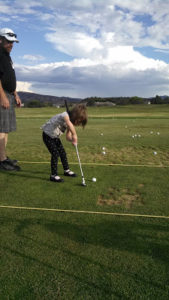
(12, 34)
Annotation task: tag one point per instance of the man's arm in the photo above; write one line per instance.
(3, 98)
(17, 99)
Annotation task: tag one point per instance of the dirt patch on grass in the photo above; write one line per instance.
(122, 197)
(140, 185)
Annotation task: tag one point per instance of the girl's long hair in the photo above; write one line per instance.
(78, 115)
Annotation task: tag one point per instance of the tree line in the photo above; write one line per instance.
(92, 101)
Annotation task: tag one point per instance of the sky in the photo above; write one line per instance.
(90, 48)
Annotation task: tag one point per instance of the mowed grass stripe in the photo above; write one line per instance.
(82, 211)
(97, 164)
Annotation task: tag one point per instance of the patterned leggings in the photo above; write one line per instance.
(56, 149)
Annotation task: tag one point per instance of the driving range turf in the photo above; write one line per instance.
(69, 253)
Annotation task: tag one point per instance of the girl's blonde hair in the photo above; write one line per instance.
(78, 115)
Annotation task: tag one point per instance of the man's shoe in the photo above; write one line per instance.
(12, 161)
(4, 165)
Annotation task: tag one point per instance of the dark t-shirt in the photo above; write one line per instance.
(7, 72)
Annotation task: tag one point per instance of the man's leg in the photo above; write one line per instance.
(5, 163)
(3, 142)
(6, 139)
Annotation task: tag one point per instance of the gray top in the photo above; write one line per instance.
(56, 126)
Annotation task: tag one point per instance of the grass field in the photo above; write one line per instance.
(69, 253)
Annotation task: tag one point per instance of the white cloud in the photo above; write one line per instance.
(4, 8)
(123, 71)
(24, 86)
(162, 51)
(74, 43)
(100, 36)
(33, 58)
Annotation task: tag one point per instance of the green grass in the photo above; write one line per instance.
(49, 256)
(56, 255)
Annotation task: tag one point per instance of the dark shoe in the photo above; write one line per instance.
(4, 165)
(12, 161)
(70, 173)
(53, 178)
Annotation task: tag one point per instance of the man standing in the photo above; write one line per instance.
(8, 97)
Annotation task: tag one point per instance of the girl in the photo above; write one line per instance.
(54, 128)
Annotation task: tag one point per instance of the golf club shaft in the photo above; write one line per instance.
(79, 162)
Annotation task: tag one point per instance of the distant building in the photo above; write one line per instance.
(56, 105)
(105, 103)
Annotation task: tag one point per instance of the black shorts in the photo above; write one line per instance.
(7, 116)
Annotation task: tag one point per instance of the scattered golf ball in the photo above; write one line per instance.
(155, 153)
(94, 179)
(101, 134)
(158, 133)
(103, 148)
(103, 152)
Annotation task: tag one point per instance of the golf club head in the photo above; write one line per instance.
(83, 182)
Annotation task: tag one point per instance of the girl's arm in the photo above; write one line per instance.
(71, 134)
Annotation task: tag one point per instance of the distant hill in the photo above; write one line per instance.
(27, 97)
(47, 100)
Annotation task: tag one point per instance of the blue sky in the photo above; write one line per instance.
(90, 47)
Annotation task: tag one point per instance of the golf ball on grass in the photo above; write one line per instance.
(103, 152)
(94, 179)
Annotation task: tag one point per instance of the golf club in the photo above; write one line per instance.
(83, 180)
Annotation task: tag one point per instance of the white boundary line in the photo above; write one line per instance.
(97, 164)
(82, 212)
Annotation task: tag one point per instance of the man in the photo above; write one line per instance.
(8, 97)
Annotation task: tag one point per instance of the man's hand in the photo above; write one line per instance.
(17, 99)
(4, 102)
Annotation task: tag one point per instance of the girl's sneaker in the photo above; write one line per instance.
(56, 178)
(69, 173)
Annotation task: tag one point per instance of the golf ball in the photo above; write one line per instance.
(103, 148)
(155, 153)
(94, 179)
(103, 152)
